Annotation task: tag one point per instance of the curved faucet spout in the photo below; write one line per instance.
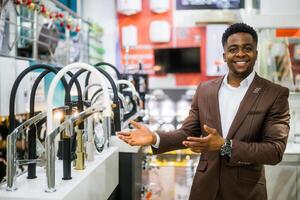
(68, 126)
(107, 112)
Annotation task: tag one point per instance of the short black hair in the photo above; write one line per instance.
(238, 28)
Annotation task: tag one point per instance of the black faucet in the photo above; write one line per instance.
(32, 134)
(64, 143)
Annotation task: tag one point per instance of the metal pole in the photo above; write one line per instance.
(35, 35)
(11, 159)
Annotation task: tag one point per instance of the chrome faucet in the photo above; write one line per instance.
(12, 161)
(68, 127)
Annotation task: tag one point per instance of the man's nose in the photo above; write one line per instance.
(240, 53)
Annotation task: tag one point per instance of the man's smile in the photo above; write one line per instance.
(241, 63)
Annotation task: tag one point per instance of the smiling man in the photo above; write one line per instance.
(238, 123)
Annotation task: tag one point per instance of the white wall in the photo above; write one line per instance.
(103, 12)
(280, 7)
(10, 68)
(275, 14)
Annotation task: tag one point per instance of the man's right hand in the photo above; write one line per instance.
(140, 136)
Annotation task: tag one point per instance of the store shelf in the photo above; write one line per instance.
(97, 181)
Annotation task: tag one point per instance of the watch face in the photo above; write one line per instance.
(226, 149)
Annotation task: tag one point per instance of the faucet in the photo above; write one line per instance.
(129, 114)
(115, 107)
(116, 103)
(134, 99)
(32, 134)
(63, 143)
(106, 112)
(68, 127)
(87, 78)
(67, 99)
(12, 161)
(79, 163)
(90, 146)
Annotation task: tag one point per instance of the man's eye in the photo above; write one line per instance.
(248, 49)
(232, 50)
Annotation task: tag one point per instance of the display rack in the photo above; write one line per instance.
(48, 32)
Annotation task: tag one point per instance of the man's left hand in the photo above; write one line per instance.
(212, 142)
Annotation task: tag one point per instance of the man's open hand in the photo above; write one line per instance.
(212, 142)
(140, 136)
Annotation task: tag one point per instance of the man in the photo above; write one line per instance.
(238, 122)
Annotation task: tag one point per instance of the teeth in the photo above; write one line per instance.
(241, 63)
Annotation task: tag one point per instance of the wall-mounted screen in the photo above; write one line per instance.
(178, 60)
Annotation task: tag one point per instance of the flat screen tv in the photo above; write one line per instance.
(178, 60)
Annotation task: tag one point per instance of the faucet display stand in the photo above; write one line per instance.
(97, 181)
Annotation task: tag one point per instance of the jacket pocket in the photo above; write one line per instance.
(250, 175)
(202, 166)
(255, 112)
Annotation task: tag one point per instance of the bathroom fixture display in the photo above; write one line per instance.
(107, 112)
(129, 36)
(160, 31)
(127, 104)
(68, 127)
(116, 123)
(32, 134)
(116, 104)
(129, 7)
(12, 161)
(102, 64)
(68, 102)
(135, 100)
(36, 84)
(130, 101)
(159, 6)
(93, 139)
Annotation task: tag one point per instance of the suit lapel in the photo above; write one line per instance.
(253, 92)
(213, 101)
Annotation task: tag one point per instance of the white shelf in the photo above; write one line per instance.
(291, 154)
(292, 148)
(123, 147)
(97, 181)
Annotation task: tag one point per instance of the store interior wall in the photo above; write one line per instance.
(277, 7)
(103, 12)
(180, 36)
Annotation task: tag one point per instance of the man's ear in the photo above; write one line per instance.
(224, 57)
(256, 54)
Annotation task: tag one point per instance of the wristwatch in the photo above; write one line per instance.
(226, 148)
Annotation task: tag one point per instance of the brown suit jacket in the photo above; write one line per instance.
(259, 134)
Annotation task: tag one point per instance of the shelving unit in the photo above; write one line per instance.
(40, 37)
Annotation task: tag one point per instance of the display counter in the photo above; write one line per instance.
(97, 181)
(130, 170)
(291, 154)
(283, 179)
(123, 147)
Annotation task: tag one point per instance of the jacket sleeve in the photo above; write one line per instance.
(191, 126)
(275, 133)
